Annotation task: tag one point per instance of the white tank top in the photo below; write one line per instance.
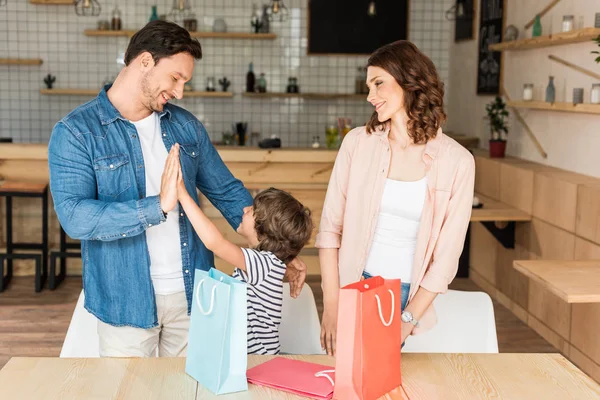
(393, 249)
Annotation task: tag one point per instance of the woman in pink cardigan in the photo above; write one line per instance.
(399, 199)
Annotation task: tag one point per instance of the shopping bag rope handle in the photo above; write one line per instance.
(379, 307)
(323, 374)
(212, 298)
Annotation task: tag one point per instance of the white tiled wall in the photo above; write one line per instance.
(55, 34)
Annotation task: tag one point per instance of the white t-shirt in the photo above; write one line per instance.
(163, 239)
(264, 276)
(392, 252)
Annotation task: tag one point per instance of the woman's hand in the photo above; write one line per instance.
(329, 329)
(407, 328)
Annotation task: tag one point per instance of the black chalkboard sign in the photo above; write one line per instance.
(345, 26)
(465, 21)
(489, 65)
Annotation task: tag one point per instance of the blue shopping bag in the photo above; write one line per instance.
(218, 345)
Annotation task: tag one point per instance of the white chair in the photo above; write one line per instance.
(466, 324)
(82, 337)
(300, 329)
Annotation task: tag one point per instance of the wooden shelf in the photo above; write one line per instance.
(207, 94)
(21, 61)
(315, 96)
(572, 281)
(584, 108)
(557, 39)
(214, 35)
(94, 92)
(57, 2)
(71, 92)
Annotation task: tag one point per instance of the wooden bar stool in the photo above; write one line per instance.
(55, 280)
(10, 189)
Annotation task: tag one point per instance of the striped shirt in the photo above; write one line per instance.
(264, 276)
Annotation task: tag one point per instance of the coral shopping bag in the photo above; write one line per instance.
(217, 354)
(369, 339)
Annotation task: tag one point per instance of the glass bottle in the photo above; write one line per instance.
(262, 83)
(250, 79)
(595, 93)
(537, 27)
(528, 92)
(154, 14)
(115, 24)
(550, 90)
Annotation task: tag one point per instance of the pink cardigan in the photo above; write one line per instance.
(352, 205)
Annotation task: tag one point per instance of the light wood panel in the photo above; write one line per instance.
(21, 61)
(24, 170)
(516, 187)
(24, 151)
(556, 39)
(549, 335)
(547, 242)
(313, 96)
(58, 2)
(275, 173)
(94, 92)
(588, 212)
(425, 376)
(585, 364)
(555, 201)
(582, 108)
(483, 252)
(508, 281)
(500, 376)
(487, 177)
(70, 92)
(585, 250)
(584, 329)
(311, 260)
(571, 281)
(493, 210)
(283, 155)
(550, 309)
(213, 35)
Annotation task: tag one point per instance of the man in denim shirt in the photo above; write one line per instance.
(106, 160)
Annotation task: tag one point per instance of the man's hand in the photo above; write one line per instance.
(168, 183)
(296, 274)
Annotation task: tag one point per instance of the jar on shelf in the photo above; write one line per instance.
(567, 23)
(528, 92)
(595, 93)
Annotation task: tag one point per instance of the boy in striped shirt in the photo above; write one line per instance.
(276, 226)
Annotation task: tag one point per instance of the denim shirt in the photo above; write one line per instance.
(97, 180)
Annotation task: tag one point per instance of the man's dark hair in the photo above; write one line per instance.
(162, 39)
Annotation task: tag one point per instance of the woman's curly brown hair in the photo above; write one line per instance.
(422, 87)
(283, 225)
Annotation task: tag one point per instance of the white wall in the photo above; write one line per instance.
(572, 141)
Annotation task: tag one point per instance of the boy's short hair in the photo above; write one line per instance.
(283, 225)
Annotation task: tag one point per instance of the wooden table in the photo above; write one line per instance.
(425, 376)
(572, 281)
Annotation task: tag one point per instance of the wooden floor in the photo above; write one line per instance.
(35, 324)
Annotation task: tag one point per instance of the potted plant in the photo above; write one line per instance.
(597, 40)
(496, 114)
